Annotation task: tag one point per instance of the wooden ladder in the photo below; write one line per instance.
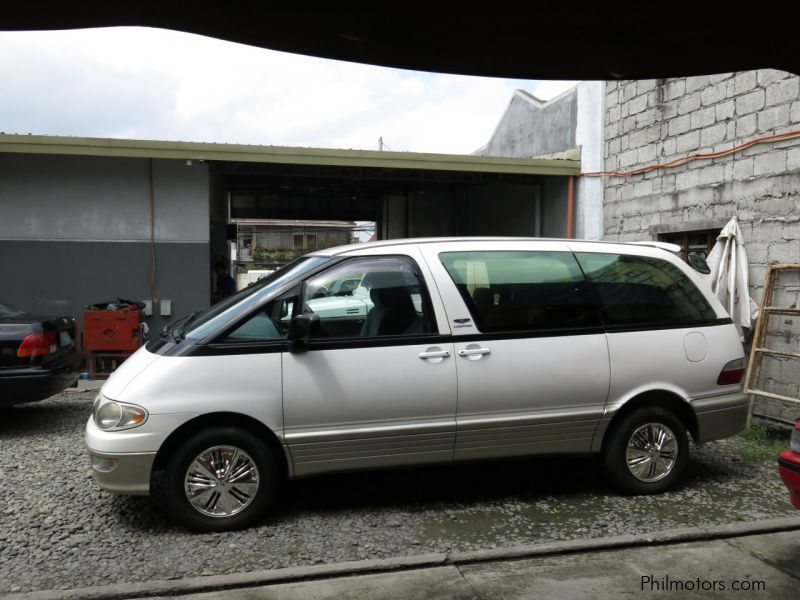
(759, 348)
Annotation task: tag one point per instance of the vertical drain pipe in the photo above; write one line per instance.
(152, 239)
(570, 207)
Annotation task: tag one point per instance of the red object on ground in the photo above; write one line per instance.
(789, 466)
(790, 473)
(111, 330)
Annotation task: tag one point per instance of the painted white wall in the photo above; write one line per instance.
(589, 135)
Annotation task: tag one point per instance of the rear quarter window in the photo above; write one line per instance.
(638, 290)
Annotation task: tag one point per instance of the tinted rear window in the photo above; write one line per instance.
(522, 291)
(638, 290)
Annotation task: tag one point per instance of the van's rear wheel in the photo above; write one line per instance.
(646, 452)
(219, 479)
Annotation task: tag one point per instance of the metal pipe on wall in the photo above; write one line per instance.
(153, 294)
(570, 207)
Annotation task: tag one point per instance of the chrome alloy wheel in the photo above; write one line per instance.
(652, 452)
(221, 481)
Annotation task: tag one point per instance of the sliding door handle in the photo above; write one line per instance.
(474, 351)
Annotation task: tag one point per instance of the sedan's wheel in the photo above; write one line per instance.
(646, 452)
(220, 479)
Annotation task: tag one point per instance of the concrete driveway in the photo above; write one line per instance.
(760, 566)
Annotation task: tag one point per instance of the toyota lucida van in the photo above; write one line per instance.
(413, 352)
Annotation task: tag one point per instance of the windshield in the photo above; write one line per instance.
(204, 322)
(7, 311)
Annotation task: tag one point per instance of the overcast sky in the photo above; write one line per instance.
(153, 84)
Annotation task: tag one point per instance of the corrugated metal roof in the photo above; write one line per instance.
(80, 146)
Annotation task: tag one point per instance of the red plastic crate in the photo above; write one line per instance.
(111, 330)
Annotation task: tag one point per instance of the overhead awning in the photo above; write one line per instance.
(563, 165)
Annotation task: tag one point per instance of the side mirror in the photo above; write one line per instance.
(303, 327)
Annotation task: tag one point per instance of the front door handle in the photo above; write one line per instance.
(435, 354)
(474, 351)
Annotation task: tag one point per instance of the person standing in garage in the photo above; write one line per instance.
(226, 286)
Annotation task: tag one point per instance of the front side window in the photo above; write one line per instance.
(643, 290)
(217, 316)
(369, 298)
(269, 323)
(522, 291)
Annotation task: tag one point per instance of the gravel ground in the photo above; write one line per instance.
(59, 531)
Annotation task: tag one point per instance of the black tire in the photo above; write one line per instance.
(251, 451)
(651, 481)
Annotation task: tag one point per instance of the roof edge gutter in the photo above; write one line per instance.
(203, 151)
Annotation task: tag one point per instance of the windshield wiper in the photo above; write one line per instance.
(190, 319)
(177, 332)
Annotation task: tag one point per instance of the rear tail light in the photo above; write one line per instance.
(38, 344)
(732, 372)
(794, 441)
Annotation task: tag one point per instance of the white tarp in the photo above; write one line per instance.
(729, 275)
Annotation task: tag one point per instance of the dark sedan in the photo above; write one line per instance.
(38, 356)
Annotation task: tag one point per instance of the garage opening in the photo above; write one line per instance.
(264, 215)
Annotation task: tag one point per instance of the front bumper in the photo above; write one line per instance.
(720, 416)
(123, 473)
(789, 467)
(134, 451)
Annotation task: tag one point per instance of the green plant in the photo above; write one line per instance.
(757, 431)
(762, 441)
(259, 253)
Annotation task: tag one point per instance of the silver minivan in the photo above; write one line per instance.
(424, 351)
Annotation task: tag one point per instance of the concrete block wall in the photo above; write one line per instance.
(653, 121)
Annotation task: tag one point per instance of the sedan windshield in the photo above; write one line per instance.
(200, 324)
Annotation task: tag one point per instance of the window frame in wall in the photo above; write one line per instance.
(683, 239)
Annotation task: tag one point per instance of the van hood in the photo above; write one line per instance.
(127, 372)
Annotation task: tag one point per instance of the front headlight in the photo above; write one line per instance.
(111, 415)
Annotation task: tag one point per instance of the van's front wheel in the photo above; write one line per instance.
(646, 452)
(219, 479)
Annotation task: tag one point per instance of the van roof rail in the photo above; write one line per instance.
(674, 248)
